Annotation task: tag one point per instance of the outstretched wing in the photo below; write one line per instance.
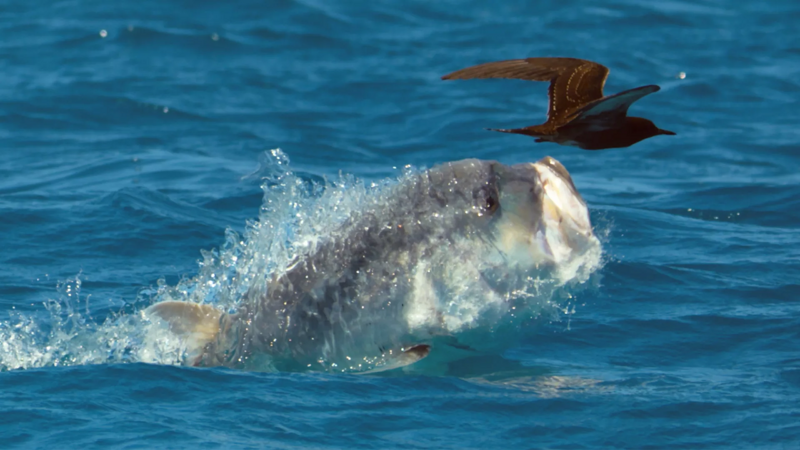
(573, 82)
(612, 108)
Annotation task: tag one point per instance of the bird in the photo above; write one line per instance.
(579, 115)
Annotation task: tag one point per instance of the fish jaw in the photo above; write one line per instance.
(544, 218)
(565, 228)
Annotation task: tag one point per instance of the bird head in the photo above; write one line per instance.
(643, 128)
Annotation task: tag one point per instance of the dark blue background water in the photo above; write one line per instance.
(123, 156)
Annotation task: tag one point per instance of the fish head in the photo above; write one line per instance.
(525, 232)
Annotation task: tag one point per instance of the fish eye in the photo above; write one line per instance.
(486, 198)
(491, 204)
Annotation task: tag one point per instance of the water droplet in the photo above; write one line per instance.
(681, 75)
(166, 109)
(215, 37)
(103, 33)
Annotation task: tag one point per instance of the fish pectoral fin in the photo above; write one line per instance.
(406, 357)
(198, 325)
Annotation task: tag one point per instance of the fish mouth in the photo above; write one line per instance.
(544, 219)
(565, 229)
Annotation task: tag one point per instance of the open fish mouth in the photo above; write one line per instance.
(545, 219)
(565, 227)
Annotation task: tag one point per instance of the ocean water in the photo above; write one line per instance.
(136, 137)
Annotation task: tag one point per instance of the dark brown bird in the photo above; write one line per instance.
(579, 114)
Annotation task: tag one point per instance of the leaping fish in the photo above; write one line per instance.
(440, 260)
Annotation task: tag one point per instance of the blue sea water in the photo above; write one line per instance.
(136, 135)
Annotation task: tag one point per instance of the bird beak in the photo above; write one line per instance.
(666, 132)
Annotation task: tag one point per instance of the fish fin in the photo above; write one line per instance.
(407, 356)
(196, 324)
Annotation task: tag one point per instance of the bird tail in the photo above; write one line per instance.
(527, 131)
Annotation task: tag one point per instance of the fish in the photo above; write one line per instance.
(435, 267)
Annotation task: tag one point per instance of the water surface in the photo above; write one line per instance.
(133, 135)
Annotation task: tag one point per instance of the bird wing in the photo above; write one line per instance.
(613, 107)
(573, 82)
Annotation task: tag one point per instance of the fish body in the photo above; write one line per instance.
(448, 257)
